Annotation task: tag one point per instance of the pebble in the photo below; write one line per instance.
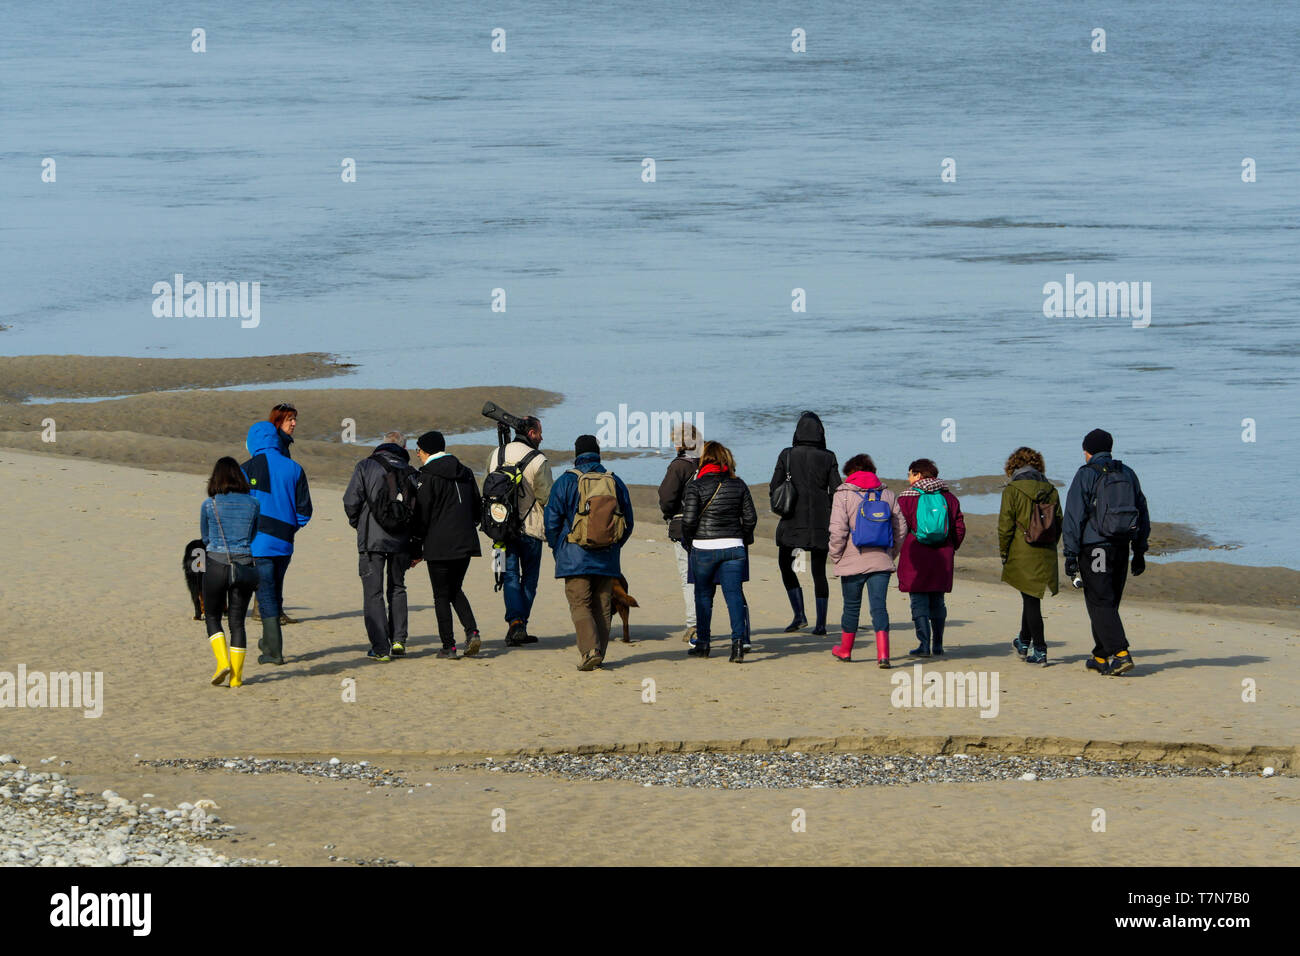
(57, 825)
(780, 770)
(1268, 771)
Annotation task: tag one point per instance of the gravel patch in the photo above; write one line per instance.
(45, 821)
(794, 770)
(333, 769)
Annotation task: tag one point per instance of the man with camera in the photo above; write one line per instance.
(1105, 513)
(522, 547)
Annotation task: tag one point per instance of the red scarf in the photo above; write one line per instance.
(712, 469)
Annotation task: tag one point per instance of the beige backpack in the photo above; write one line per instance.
(599, 521)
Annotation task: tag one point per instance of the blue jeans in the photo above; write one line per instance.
(927, 608)
(877, 585)
(523, 567)
(725, 566)
(270, 584)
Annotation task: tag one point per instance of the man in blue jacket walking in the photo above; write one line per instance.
(279, 485)
(588, 518)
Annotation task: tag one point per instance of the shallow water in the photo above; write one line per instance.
(775, 170)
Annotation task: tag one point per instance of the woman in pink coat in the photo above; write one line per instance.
(870, 564)
(925, 568)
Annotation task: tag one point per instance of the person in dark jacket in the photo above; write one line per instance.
(718, 521)
(227, 523)
(1105, 565)
(447, 511)
(687, 439)
(1029, 568)
(815, 475)
(588, 573)
(925, 570)
(382, 554)
(279, 485)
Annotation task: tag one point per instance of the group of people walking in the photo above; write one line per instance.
(404, 515)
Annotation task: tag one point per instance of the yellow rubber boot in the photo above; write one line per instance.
(218, 642)
(237, 666)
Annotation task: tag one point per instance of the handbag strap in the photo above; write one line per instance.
(216, 514)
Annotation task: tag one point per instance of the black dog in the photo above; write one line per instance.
(191, 563)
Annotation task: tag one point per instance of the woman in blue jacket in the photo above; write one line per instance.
(279, 486)
(227, 523)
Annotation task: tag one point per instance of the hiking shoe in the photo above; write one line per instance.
(1101, 667)
(472, 643)
(591, 662)
(1119, 664)
(377, 657)
(1035, 656)
(1021, 648)
(399, 649)
(447, 653)
(526, 638)
(516, 634)
(286, 619)
(688, 635)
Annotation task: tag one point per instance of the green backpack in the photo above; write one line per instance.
(931, 518)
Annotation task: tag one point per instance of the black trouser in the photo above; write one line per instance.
(447, 577)
(220, 596)
(385, 623)
(1104, 569)
(1031, 622)
(785, 561)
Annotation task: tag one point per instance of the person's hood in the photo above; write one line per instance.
(588, 461)
(810, 431)
(1031, 482)
(264, 437)
(689, 456)
(393, 452)
(449, 467)
(863, 480)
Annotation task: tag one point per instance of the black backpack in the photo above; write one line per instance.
(1114, 502)
(394, 503)
(504, 491)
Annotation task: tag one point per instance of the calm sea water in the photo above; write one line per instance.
(775, 171)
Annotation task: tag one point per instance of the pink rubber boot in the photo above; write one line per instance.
(845, 646)
(882, 648)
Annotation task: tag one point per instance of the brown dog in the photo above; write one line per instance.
(622, 603)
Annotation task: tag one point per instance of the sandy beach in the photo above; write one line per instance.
(102, 591)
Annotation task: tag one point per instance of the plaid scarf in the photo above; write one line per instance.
(926, 484)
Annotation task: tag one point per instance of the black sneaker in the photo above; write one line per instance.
(1119, 664)
(399, 649)
(1101, 667)
(515, 635)
(1035, 656)
(527, 639)
(447, 653)
(472, 643)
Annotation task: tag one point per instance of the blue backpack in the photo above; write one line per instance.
(874, 526)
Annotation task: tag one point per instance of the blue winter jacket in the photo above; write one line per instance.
(571, 559)
(238, 519)
(280, 489)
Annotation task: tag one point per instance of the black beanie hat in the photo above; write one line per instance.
(1097, 441)
(586, 444)
(431, 443)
